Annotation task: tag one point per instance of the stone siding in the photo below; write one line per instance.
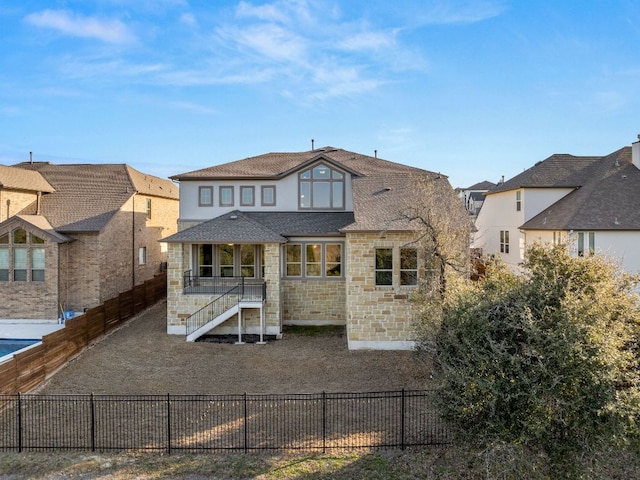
(314, 301)
(377, 314)
(181, 306)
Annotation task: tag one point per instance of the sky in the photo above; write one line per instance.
(475, 89)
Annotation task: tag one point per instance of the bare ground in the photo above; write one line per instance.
(140, 358)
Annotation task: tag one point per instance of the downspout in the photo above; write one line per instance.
(133, 240)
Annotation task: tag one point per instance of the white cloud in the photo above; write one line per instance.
(458, 11)
(76, 25)
(188, 19)
(368, 41)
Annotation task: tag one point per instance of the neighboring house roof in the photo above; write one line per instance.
(21, 179)
(484, 185)
(607, 198)
(88, 195)
(276, 165)
(559, 170)
(262, 227)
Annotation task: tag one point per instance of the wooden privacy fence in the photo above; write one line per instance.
(28, 369)
(205, 423)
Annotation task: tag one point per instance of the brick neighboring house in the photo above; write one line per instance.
(591, 202)
(74, 236)
(313, 238)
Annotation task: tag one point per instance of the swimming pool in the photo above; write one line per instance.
(10, 345)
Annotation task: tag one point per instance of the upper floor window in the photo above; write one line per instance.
(268, 195)
(504, 241)
(226, 196)
(247, 196)
(586, 243)
(518, 200)
(22, 257)
(321, 187)
(205, 196)
(142, 256)
(148, 209)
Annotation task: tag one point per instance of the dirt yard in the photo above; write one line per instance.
(140, 358)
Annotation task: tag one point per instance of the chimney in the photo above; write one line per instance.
(635, 153)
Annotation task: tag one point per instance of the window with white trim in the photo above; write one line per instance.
(504, 241)
(142, 256)
(518, 200)
(586, 243)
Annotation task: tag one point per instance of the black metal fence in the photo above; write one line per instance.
(197, 423)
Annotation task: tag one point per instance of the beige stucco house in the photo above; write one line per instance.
(74, 236)
(314, 237)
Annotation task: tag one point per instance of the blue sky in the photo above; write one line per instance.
(472, 89)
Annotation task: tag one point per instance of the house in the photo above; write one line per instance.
(74, 236)
(591, 202)
(473, 196)
(309, 238)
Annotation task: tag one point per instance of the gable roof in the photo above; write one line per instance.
(559, 170)
(484, 185)
(279, 164)
(607, 199)
(88, 195)
(21, 179)
(39, 223)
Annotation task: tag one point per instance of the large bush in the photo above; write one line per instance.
(547, 359)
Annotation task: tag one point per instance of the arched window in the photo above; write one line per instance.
(22, 257)
(321, 188)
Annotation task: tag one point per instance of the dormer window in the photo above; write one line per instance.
(321, 187)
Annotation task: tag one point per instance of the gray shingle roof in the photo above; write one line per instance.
(88, 195)
(263, 227)
(275, 165)
(559, 170)
(606, 198)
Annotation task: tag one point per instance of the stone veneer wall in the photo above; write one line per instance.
(180, 307)
(314, 301)
(377, 317)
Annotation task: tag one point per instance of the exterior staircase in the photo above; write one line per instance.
(213, 314)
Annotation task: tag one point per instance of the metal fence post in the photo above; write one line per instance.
(324, 422)
(93, 423)
(19, 422)
(402, 409)
(168, 423)
(246, 433)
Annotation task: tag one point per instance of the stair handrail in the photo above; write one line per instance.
(216, 307)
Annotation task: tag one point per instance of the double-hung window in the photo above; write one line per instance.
(226, 196)
(408, 266)
(247, 198)
(586, 243)
(518, 200)
(268, 195)
(384, 266)
(504, 241)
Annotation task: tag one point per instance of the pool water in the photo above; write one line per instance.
(10, 345)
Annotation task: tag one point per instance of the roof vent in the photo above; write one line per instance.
(615, 221)
(233, 217)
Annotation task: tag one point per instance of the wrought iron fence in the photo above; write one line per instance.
(198, 423)
(249, 289)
